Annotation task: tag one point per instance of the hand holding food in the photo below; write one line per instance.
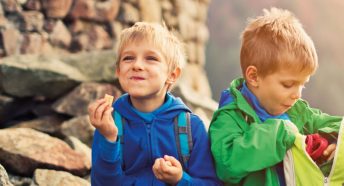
(100, 114)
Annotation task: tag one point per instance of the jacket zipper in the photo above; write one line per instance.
(149, 141)
(335, 155)
(326, 181)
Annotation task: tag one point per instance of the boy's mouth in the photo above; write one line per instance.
(136, 78)
(288, 106)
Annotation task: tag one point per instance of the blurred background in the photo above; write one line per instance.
(57, 56)
(322, 20)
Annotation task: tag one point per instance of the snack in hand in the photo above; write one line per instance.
(108, 98)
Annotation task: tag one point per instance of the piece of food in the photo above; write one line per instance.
(108, 98)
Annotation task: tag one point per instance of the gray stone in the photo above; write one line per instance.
(56, 9)
(187, 27)
(27, 76)
(32, 43)
(33, 5)
(4, 180)
(102, 11)
(150, 10)
(79, 127)
(129, 14)
(20, 180)
(60, 35)
(22, 150)
(44, 177)
(95, 65)
(32, 21)
(11, 41)
(47, 124)
(81, 148)
(11, 108)
(11, 6)
(77, 101)
(193, 86)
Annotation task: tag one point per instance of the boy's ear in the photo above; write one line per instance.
(117, 71)
(174, 75)
(251, 75)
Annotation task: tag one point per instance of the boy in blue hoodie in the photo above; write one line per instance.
(149, 62)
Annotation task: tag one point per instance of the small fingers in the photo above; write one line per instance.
(92, 110)
(173, 161)
(99, 112)
(108, 115)
(156, 169)
(163, 166)
(331, 156)
(330, 152)
(156, 165)
(331, 148)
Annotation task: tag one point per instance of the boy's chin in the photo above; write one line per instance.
(277, 113)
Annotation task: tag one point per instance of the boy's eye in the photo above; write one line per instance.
(152, 58)
(128, 58)
(287, 85)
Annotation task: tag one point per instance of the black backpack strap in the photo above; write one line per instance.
(183, 135)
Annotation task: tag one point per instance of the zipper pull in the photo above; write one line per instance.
(326, 180)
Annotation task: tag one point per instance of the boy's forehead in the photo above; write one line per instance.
(149, 45)
(292, 74)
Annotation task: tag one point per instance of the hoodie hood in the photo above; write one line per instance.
(226, 98)
(240, 90)
(124, 107)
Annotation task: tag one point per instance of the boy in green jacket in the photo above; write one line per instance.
(251, 131)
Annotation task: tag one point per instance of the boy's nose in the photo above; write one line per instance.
(298, 93)
(138, 64)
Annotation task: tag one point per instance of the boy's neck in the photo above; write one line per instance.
(147, 104)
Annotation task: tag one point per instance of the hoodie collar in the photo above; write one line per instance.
(149, 116)
(238, 94)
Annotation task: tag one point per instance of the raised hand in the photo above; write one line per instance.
(100, 114)
(168, 169)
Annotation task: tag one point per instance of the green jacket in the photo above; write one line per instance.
(246, 150)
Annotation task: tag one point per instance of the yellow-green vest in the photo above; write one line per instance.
(301, 170)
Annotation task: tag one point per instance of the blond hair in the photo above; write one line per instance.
(158, 35)
(277, 40)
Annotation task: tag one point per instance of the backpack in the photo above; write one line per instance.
(182, 132)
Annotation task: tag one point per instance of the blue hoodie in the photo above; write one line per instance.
(146, 140)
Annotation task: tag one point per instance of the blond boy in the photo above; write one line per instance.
(149, 62)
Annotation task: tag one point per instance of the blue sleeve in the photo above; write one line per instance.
(106, 163)
(201, 170)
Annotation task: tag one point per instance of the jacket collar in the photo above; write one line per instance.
(241, 103)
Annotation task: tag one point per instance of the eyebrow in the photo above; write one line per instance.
(295, 81)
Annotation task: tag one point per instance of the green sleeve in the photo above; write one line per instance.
(321, 122)
(240, 149)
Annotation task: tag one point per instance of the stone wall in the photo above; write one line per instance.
(57, 56)
(45, 26)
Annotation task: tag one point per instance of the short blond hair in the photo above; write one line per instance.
(277, 40)
(168, 44)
